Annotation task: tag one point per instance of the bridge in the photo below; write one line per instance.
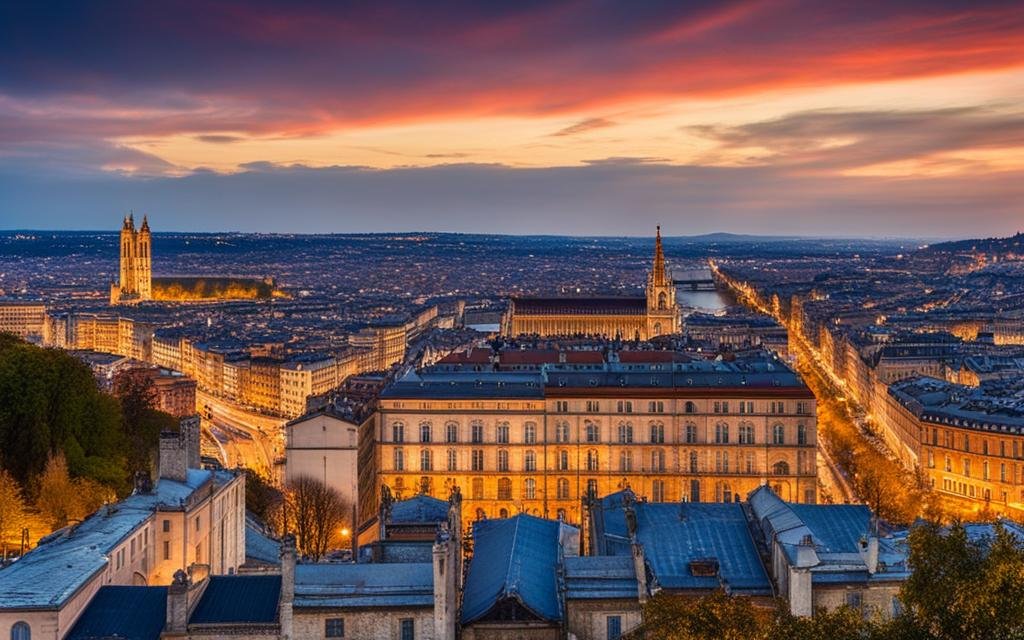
(695, 280)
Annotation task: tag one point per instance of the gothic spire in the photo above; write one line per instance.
(658, 274)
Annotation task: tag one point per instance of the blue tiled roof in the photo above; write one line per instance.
(364, 585)
(513, 558)
(128, 613)
(259, 547)
(238, 599)
(836, 528)
(419, 509)
(600, 577)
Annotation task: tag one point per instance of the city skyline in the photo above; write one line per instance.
(751, 117)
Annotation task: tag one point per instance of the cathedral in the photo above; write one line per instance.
(136, 280)
(626, 317)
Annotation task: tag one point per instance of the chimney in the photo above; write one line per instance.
(640, 568)
(869, 552)
(446, 585)
(179, 451)
(287, 585)
(189, 428)
(801, 600)
(177, 606)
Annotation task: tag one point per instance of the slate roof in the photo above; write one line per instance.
(128, 613)
(513, 558)
(600, 578)
(237, 600)
(419, 510)
(66, 560)
(618, 306)
(364, 585)
(260, 548)
(675, 534)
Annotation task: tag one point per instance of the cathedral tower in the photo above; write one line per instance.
(136, 275)
(661, 295)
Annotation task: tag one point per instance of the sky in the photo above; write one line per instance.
(586, 118)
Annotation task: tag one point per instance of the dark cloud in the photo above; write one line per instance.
(219, 139)
(611, 197)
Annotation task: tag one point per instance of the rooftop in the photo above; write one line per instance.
(364, 585)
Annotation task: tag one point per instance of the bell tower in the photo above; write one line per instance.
(143, 263)
(661, 294)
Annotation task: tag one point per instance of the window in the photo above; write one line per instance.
(657, 433)
(530, 433)
(967, 467)
(593, 433)
(721, 433)
(477, 460)
(167, 549)
(592, 488)
(398, 432)
(399, 460)
(750, 463)
(746, 434)
(658, 490)
(563, 489)
(801, 434)
(562, 432)
(451, 432)
(563, 460)
(614, 627)
(477, 435)
(854, 599)
(693, 462)
(625, 433)
(334, 628)
(408, 629)
(453, 460)
(656, 406)
(778, 434)
(561, 406)
(530, 461)
(691, 434)
(197, 523)
(167, 526)
(21, 631)
(478, 489)
(425, 432)
(781, 468)
(802, 408)
(625, 461)
(657, 461)
(504, 489)
(624, 406)
(593, 406)
(503, 460)
(529, 489)
(426, 460)
(503, 433)
(689, 407)
(746, 406)
(592, 461)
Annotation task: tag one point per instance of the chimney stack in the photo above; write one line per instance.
(288, 556)
(179, 451)
(177, 606)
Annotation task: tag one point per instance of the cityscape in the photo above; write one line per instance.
(621, 343)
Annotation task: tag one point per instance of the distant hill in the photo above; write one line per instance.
(991, 246)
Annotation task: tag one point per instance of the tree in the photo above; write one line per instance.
(57, 498)
(714, 617)
(12, 509)
(142, 421)
(317, 513)
(263, 499)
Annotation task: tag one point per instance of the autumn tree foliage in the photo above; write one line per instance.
(265, 501)
(12, 510)
(64, 500)
(142, 422)
(316, 513)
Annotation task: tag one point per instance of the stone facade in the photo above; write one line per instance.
(136, 275)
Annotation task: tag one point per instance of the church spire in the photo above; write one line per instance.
(658, 274)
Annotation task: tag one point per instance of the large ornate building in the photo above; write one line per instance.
(136, 278)
(536, 431)
(627, 317)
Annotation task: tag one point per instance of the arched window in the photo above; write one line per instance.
(691, 434)
(746, 434)
(480, 515)
(563, 460)
(504, 489)
(662, 300)
(690, 407)
(562, 432)
(593, 432)
(503, 433)
(781, 468)
(657, 433)
(563, 489)
(503, 513)
(657, 460)
(398, 432)
(451, 432)
(693, 462)
(477, 432)
(625, 433)
(726, 492)
(593, 464)
(778, 434)
(425, 432)
(426, 460)
(21, 631)
(530, 461)
(529, 489)
(530, 433)
(399, 460)
(722, 433)
(502, 460)
(801, 434)
(561, 515)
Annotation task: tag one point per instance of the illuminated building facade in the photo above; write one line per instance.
(136, 276)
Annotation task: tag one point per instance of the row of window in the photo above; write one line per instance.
(949, 441)
(592, 433)
(658, 406)
(335, 628)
